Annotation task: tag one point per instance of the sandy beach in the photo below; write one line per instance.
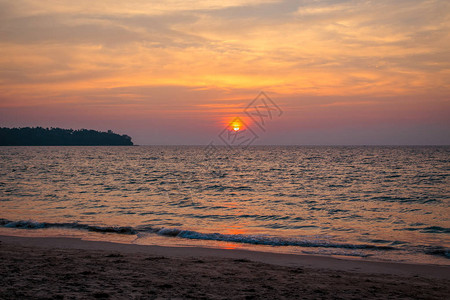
(64, 268)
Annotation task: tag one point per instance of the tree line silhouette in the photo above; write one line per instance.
(39, 136)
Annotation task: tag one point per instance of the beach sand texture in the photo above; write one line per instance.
(62, 268)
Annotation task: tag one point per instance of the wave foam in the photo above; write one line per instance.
(234, 238)
(29, 224)
(262, 239)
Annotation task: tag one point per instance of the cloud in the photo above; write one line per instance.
(208, 56)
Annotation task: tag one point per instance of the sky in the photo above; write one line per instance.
(178, 72)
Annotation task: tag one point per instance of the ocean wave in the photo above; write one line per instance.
(306, 242)
(262, 240)
(429, 229)
(29, 224)
(438, 251)
(194, 235)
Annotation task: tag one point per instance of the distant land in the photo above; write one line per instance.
(38, 136)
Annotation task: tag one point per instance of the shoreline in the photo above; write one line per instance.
(69, 268)
(280, 259)
(127, 235)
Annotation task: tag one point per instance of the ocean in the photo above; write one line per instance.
(358, 202)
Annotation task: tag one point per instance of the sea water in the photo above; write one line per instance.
(374, 203)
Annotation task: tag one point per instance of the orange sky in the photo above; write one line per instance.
(173, 72)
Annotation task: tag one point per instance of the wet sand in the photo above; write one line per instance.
(63, 268)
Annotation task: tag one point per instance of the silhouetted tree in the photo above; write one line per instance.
(38, 136)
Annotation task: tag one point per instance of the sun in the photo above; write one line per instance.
(236, 125)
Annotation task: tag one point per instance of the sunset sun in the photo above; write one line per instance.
(236, 125)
